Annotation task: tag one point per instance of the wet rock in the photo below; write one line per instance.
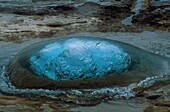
(105, 17)
(156, 14)
(20, 27)
(152, 95)
(17, 21)
(35, 8)
(111, 18)
(114, 106)
(39, 7)
(89, 9)
(158, 3)
(158, 107)
(55, 24)
(111, 11)
(62, 8)
(16, 104)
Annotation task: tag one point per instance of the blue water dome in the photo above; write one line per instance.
(79, 59)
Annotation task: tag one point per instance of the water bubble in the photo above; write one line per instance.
(142, 69)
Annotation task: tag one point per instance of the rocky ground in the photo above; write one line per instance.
(23, 20)
(20, 20)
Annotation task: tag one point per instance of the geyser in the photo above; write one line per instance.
(78, 58)
(83, 62)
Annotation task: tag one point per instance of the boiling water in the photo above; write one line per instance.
(157, 69)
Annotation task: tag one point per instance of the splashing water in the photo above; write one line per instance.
(81, 97)
(157, 66)
(79, 59)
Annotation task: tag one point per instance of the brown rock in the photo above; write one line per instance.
(159, 107)
(55, 24)
(17, 104)
(152, 95)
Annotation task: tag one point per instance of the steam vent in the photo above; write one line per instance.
(75, 62)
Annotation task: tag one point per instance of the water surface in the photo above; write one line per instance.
(87, 96)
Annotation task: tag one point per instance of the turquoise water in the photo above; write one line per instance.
(158, 66)
(79, 58)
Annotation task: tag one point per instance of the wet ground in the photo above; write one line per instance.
(26, 23)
